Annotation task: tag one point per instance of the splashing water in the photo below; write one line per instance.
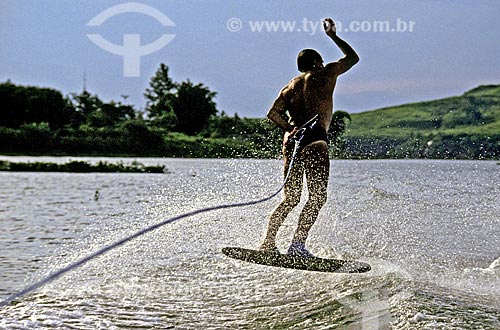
(406, 218)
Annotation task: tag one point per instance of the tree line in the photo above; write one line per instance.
(182, 120)
(179, 120)
(181, 107)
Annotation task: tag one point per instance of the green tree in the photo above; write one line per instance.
(160, 96)
(110, 114)
(335, 132)
(338, 125)
(92, 111)
(12, 105)
(25, 105)
(85, 104)
(139, 138)
(193, 107)
(223, 126)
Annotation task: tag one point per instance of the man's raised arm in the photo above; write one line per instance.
(351, 57)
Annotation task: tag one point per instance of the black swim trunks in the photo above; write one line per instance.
(311, 134)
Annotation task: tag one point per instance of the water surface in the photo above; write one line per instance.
(430, 230)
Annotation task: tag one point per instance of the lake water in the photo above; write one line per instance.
(430, 230)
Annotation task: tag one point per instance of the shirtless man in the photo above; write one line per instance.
(307, 95)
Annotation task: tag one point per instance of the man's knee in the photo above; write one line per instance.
(318, 200)
(292, 201)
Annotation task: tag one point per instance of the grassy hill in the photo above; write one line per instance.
(466, 126)
(476, 111)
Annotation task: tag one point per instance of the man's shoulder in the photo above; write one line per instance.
(292, 84)
(326, 75)
(298, 78)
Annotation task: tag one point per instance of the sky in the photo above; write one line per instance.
(410, 51)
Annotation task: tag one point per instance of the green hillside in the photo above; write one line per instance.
(476, 111)
(466, 126)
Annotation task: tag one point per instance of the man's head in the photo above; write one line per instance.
(309, 59)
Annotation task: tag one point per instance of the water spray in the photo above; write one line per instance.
(296, 139)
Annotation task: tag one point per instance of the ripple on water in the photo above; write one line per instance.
(177, 277)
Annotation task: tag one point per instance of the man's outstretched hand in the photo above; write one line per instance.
(330, 28)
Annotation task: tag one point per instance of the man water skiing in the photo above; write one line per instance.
(305, 96)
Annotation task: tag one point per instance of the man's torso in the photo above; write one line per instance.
(309, 94)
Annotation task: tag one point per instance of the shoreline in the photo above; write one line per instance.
(80, 166)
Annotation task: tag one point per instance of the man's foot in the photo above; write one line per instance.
(299, 250)
(269, 248)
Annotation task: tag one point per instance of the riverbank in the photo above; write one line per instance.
(81, 167)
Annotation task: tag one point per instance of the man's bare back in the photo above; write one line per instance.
(307, 95)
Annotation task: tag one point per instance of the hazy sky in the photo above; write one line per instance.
(442, 48)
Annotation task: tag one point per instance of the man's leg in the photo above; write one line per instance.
(292, 192)
(317, 169)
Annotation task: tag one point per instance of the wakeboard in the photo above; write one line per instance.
(295, 262)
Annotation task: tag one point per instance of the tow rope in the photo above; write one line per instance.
(296, 139)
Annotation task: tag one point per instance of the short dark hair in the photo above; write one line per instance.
(306, 59)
